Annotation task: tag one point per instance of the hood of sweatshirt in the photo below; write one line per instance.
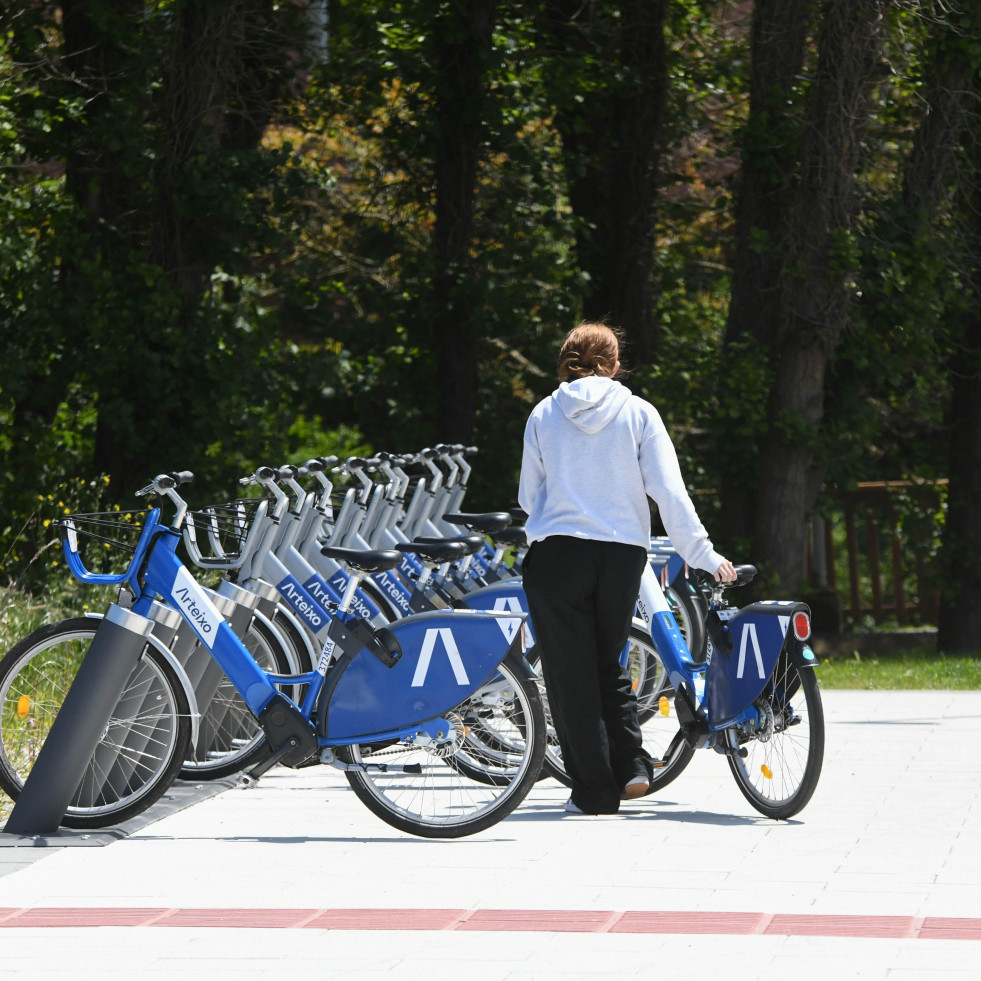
(592, 403)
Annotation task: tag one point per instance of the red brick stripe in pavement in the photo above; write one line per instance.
(547, 921)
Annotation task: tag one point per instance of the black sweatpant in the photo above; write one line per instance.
(581, 597)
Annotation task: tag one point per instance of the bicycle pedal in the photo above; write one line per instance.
(722, 746)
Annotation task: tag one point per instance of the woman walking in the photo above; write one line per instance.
(593, 453)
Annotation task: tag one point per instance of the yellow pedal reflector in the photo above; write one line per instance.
(635, 684)
(766, 771)
(23, 705)
(664, 706)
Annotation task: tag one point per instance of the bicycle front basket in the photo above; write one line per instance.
(103, 540)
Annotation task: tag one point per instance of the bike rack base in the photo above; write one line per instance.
(80, 723)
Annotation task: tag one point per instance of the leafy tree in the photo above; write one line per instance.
(798, 206)
(606, 76)
(140, 196)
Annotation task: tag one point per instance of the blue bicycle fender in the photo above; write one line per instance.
(758, 635)
(446, 657)
(506, 596)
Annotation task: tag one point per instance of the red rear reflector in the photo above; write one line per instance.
(802, 626)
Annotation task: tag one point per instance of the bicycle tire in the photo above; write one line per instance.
(230, 738)
(436, 800)
(690, 617)
(659, 721)
(298, 648)
(552, 760)
(780, 772)
(142, 748)
(381, 601)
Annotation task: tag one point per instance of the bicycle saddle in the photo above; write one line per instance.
(486, 523)
(364, 560)
(438, 549)
(508, 536)
(470, 543)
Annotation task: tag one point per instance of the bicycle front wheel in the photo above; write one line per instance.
(144, 743)
(785, 754)
(689, 617)
(472, 780)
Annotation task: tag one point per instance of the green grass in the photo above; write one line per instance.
(911, 670)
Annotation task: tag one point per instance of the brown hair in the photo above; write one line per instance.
(589, 349)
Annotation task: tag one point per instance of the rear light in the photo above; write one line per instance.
(802, 625)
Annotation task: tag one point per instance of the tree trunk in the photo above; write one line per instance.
(803, 296)
(763, 196)
(959, 625)
(462, 39)
(611, 139)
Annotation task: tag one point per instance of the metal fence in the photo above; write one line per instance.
(876, 545)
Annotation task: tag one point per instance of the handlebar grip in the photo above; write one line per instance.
(328, 461)
(744, 574)
(168, 481)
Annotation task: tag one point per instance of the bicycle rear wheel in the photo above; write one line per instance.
(429, 790)
(784, 757)
(659, 722)
(494, 734)
(144, 743)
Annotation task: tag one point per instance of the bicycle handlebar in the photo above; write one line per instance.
(744, 574)
(165, 482)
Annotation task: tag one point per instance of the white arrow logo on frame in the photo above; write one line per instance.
(426, 655)
(747, 630)
(510, 604)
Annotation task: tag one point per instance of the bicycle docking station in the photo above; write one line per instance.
(80, 724)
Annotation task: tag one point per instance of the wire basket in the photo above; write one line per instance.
(226, 526)
(103, 540)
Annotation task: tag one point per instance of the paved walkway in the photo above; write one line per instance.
(880, 876)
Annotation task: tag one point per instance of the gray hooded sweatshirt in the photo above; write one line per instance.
(593, 452)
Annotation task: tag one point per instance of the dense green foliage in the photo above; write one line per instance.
(236, 232)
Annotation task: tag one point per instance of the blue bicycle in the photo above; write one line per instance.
(754, 699)
(390, 707)
(749, 692)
